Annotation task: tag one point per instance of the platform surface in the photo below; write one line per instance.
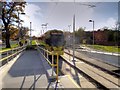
(30, 71)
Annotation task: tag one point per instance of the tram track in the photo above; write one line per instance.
(101, 79)
(98, 66)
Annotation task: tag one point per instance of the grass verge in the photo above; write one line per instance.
(114, 49)
(12, 46)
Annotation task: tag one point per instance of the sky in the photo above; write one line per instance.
(59, 14)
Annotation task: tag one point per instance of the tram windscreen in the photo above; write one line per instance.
(57, 39)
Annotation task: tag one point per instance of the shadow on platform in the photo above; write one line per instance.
(28, 63)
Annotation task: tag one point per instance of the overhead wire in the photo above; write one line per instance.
(51, 12)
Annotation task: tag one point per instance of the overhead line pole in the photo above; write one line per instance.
(74, 37)
(74, 33)
(30, 34)
(74, 28)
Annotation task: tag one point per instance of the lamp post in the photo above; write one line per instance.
(30, 34)
(74, 33)
(69, 34)
(69, 27)
(19, 24)
(44, 26)
(93, 29)
(74, 37)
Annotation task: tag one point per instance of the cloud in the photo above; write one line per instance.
(110, 23)
(72, 0)
(62, 14)
(33, 10)
(58, 16)
(33, 14)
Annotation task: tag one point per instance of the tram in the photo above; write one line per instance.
(54, 41)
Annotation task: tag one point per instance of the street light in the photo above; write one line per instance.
(93, 30)
(45, 26)
(69, 27)
(30, 34)
(69, 34)
(19, 24)
(74, 37)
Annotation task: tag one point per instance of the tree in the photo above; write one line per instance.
(89, 37)
(13, 32)
(9, 15)
(24, 32)
(80, 34)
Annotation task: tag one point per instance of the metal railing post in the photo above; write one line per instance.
(47, 54)
(12, 53)
(7, 56)
(15, 51)
(52, 63)
(57, 66)
(44, 52)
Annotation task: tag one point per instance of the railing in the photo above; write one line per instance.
(45, 53)
(7, 55)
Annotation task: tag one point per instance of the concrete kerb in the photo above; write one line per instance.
(83, 58)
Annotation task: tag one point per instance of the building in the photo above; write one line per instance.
(101, 37)
(68, 38)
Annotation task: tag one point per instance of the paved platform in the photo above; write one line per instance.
(30, 70)
(102, 77)
(80, 80)
(26, 72)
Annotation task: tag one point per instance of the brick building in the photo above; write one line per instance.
(101, 37)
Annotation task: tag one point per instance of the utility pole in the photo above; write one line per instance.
(74, 37)
(74, 33)
(19, 27)
(69, 35)
(19, 34)
(69, 27)
(30, 34)
(93, 30)
(74, 27)
(44, 27)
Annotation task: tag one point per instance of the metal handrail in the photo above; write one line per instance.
(5, 58)
(51, 53)
(45, 57)
(10, 49)
(51, 64)
(49, 61)
(10, 56)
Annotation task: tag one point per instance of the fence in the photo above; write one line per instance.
(8, 55)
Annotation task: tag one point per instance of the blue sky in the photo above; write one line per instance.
(59, 15)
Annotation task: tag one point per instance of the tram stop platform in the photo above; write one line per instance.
(29, 69)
